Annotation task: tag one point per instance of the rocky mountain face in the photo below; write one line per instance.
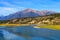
(27, 13)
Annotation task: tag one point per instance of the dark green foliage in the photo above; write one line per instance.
(3, 21)
(56, 15)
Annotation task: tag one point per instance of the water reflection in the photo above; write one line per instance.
(20, 33)
(10, 36)
(1, 35)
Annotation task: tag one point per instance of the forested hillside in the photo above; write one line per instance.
(47, 19)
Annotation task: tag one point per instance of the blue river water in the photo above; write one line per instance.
(28, 33)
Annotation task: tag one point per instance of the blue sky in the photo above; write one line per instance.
(11, 6)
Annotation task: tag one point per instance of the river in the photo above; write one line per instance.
(28, 33)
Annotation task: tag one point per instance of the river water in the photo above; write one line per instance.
(28, 33)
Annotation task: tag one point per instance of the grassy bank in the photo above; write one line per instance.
(13, 25)
(54, 27)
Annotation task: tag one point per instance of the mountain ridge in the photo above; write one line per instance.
(27, 13)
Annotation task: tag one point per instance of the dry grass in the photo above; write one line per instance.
(13, 24)
(54, 27)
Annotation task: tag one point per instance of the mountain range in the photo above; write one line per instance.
(27, 13)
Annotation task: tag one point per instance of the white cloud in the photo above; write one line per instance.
(25, 3)
(9, 10)
(6, 11)
(8, 4)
